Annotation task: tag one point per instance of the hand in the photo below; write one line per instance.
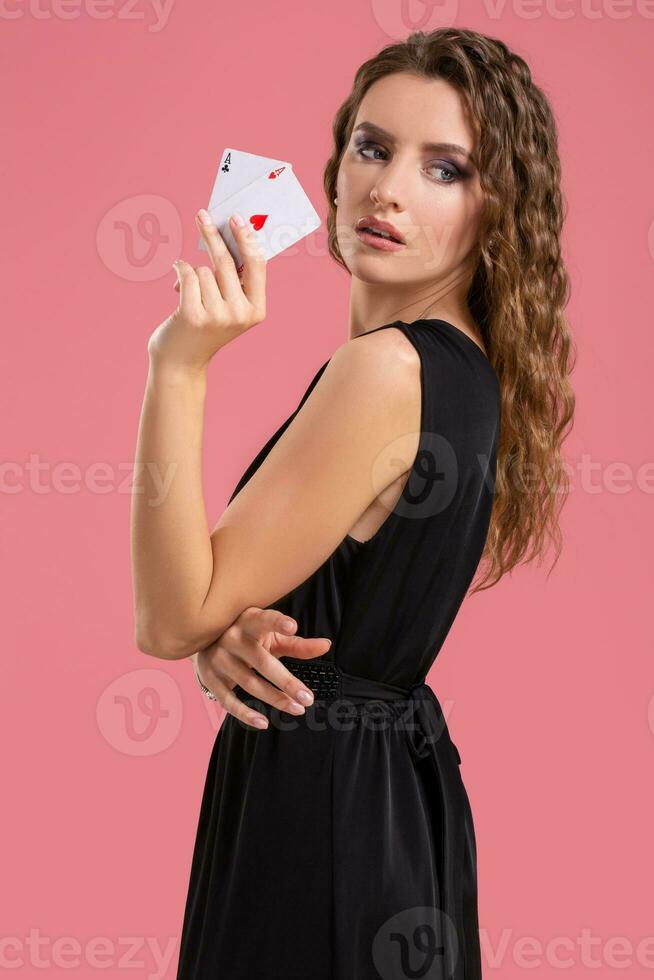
(215, 305)
(256, 639)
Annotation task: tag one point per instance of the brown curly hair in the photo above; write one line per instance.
(520, 285)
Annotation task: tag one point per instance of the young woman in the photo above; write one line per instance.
(336, 840)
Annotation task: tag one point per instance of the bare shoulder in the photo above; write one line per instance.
(383, 362)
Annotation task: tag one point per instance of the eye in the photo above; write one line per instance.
(366, 145)
(452, 174)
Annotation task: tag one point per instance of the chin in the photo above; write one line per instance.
(376, 270)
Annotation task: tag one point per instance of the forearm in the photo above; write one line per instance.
(172, 562)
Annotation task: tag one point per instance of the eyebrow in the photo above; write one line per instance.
(427, 147)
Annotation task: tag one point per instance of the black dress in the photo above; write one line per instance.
(339, 845)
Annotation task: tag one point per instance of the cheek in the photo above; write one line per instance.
(346, 182)
(470, 210)
(453, 222)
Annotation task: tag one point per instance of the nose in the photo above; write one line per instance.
(382, 194)
(387, 189)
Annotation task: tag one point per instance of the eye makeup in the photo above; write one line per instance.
(456, 174)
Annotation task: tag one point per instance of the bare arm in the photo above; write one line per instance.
(189, 584)
(290, 516)
(172, 561)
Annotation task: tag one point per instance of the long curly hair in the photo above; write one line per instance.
(520, 285)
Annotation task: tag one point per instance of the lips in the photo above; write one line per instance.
(376, 224)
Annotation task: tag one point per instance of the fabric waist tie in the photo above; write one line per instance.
(453, 829)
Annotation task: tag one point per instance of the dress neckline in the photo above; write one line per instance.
(449, 327)
(456, 330)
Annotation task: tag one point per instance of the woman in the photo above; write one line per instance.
(337, 841)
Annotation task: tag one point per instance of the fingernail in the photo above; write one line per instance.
(295, 708)
(289, 625)
(305, 696)
(237, 220)
(260, 722)
(205, 217)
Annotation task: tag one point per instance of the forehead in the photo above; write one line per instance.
(417, 110)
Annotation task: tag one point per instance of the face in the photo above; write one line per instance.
(430, 194)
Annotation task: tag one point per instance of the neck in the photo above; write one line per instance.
(372, 305)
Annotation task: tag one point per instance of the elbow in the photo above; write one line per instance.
(161, 647)
(151, 649)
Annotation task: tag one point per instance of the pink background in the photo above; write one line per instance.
(547, 682)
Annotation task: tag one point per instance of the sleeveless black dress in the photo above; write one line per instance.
(339, 845)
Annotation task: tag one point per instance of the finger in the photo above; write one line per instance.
(271, 668)
(190, 299)
(301, 647)
(209, 292)
(255, 267)
(259, 621)
(176, 284)
(253, 655)
(234, 706)
(257, 686)
(223, 263)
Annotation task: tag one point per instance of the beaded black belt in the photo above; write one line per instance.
(328, 682)
(324, 678)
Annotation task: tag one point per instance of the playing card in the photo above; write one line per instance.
(278, 210)
(238, 169)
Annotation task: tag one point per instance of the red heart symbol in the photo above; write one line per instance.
(258, 221)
